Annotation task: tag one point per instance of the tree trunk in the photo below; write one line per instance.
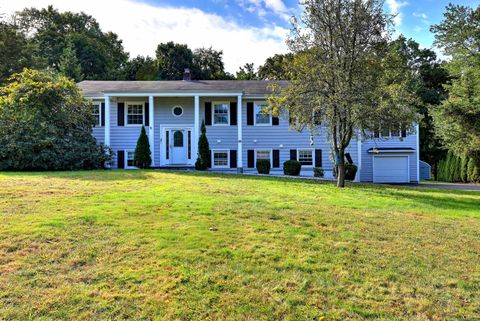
(341, 169)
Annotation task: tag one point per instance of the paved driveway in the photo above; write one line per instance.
(452, 186)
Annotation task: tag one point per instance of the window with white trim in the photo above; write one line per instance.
(263, 154)
(221, 113)
(130, 158)
(220, 158)
(96, 114)
(305, 157)
(134, 113)
(262, 117)
(390, 132)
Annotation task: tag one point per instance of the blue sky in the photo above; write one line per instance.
(245, 30)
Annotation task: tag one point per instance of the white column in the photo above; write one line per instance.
(239, 134)
(196, 129)
(417, 131)
(107, 120)
(151, 135)
(359, 156)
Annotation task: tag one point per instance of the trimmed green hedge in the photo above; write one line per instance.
(459, 169)
(292, 167)
(263, 166)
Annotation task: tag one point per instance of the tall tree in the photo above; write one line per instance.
(276, 67)
(429, 78)
(344, 75)
(172, 59)
(101, 55)
(247, 72)
(141, 68)
(208, 64)
(69, 64)
(457, 119)
(16, 51)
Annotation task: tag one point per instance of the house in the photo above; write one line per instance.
(237, 130)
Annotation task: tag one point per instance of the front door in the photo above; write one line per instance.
(178, 146)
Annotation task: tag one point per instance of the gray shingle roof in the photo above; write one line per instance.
(93, 88)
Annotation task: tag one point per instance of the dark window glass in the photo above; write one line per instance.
(167, 144)
(177, 111)
(178, 139)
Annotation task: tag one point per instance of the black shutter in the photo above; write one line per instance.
(404, 133)
(208, 114)
(275, 121)
(147, 114)
(102, 121)
(293, 154)
(233, 113)
(276, 158)
(318, 158)
(251, 158)
(121, 114)
(233, 158)
(349, 158)
(121, 159)
(250, 114)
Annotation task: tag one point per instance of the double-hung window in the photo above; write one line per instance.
(130, 158)
(305, 157)
(390, 132)
(220, 158)
(221, 113)
(263, 154)
(135, 113)
(96, 114)
(262, 117)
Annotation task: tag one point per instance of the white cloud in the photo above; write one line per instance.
(261, 6)
(423, 17)
(394, 6)
(142, 26)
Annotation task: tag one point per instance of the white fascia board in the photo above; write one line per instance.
(173, 94)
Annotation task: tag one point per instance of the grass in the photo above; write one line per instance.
(196, 246)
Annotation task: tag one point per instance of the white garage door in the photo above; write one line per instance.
(390, 169)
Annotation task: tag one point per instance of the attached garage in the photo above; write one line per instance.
(391, 169)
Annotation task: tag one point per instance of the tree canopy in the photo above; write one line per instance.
(457, 119)
(345, 75)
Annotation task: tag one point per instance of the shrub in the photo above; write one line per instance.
(350, 171)
(203, 160)
(464, 169)
(46, 124)
(318, 172)
(142, 156)
(263, 166)
(473, 170)
(292, 167)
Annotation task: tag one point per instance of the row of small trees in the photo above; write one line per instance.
(459, 169)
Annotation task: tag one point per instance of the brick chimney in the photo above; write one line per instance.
(187, 75)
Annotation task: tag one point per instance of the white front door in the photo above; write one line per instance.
(178, 143)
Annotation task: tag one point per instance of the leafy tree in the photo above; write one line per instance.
(46, 124)
(16, 51)
(101, 55)
(429, 78)
(208, 64)
(204, 158)
(69, 65)
(473, 169)
(457, 119)
(247, 72)
(141, 68)
(142, 156)
(172, 60)
(345, 75)
(276, 67)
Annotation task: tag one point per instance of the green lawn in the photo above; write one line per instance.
(196, 246)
